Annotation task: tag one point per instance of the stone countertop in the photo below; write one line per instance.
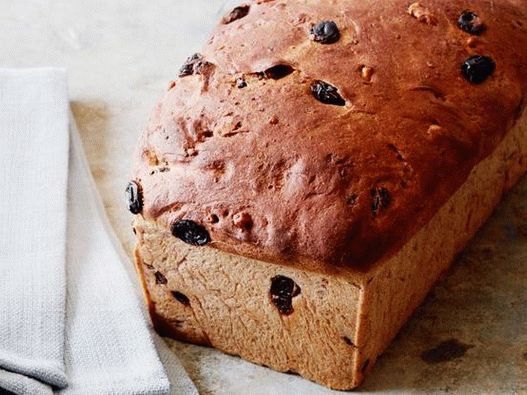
(470, 336)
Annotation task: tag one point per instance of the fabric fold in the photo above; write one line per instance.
(70, 318)
(109, 349)
(180, 382)
(33, 176)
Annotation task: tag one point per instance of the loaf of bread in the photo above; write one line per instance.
(310, 174)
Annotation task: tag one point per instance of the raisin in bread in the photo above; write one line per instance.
(312, 173)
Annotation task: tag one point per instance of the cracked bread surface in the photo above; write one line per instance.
(412, 126)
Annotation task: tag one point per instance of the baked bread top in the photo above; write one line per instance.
(331, 131)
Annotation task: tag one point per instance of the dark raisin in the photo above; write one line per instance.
(279, 71)
(240, 83)
(381, 199)
(134, 197)
(193, 65)
(160, 278)
(351, 200)
(188, 66)
(327, 93)
(325, 32)
(477, 69)
(282, 292)
(236, 13)
(470, 22)
(181, 298)
(190, 232)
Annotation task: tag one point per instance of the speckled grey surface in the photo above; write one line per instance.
(121, 54)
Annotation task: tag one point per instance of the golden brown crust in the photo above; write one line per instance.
(307, 173)
(341, 320)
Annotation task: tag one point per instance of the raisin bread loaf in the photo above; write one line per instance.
(314, 170)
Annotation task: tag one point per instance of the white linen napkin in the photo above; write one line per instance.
(70, 319)
(33, 178)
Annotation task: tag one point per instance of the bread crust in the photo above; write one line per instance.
(307, 174)
(342, 319)
(333, 178)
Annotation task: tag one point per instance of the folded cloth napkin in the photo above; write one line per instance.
(70, 318)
